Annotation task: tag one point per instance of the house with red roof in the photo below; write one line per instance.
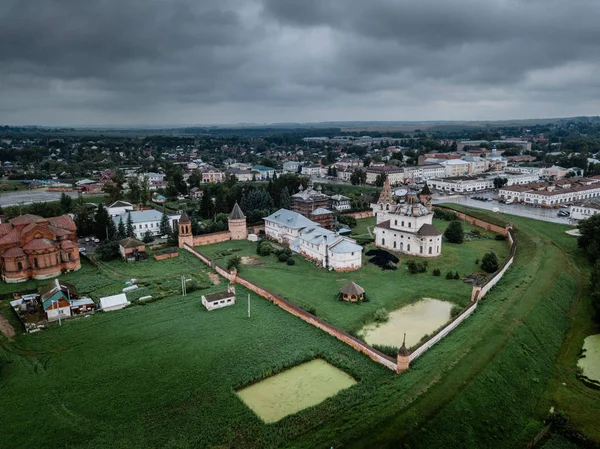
(33, 247)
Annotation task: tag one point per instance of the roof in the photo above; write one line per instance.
(429, 230)
(236, 213)
(321, 211)
(425, 190)
(114, 300)
(339, 198)
(130, 242)
(184, 219)
(82, 302)
(67, 244)
(352, 289)
(212, 297)
(37, 244)
(50, 289)
(5, 228)
(14, 252)
(262, 168)
(121, 204)
(13, 236)
(344, 246)
(290, 219)
(26, 219)
(64, 222)
(139, 216)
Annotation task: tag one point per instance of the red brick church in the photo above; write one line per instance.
(33, 247)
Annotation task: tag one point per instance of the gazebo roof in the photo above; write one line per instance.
(352, 289)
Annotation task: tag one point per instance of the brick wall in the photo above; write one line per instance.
(165, 256)
(476, 221)
(359, 215)
(209, 239)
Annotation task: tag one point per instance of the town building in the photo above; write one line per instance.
(291, 166)
(394, 174)
(219, 300)
(424, 172)
(196, 193)
(129, 248)
(552, 194)
(56, 299)
(584, 210)
(263, 172)
(313, 204)
(314, 171)
(325, 247)
(455, 167)
(241, 175)
(119, 208)
(145, 220)
(340, 203)
(467, 184)
(33, 247)
(407, 228)
(555, 172)
(211, 175)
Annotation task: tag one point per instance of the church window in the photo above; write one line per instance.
(382, 242)
(70, 256)
(396, 222)
(409, 223)
(394, 244)
(421, 250)
(402, 223)
(408, 247)
(430, 248)
(35, 262)
(20, 265)
(387, 207)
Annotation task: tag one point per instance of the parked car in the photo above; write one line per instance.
(87, 239)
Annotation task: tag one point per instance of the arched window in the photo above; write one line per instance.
(394, 244)
(409, 223)
(401, 246)
(20, 265)
(408, 247)
(387, 207)
(35, 262)
(382, 242)
(430, 250)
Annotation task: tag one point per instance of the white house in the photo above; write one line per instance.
(291, 166)
(455, 167)
(314, 171)
(584, 210)
(119, 208)
(219, 299)
(114, 302)
(145, 220)
(340, 202)
(327, 248)
(406, 228)
(424, 172)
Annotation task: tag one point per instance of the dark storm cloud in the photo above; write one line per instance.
(158, 61)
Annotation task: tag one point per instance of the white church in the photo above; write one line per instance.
(407, 228)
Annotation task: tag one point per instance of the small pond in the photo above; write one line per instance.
(417, 320)
(590, 363)
(295, 389)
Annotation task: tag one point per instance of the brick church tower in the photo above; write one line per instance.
(185, 231)
(237, 224)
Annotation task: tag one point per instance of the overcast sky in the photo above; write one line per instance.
(121, 62)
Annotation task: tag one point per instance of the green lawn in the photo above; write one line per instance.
(165, 374)
(314, 288)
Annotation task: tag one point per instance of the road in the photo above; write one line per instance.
(28, 197)
(520, 210)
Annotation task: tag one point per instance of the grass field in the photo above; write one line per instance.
(165, 374)
(387, 289)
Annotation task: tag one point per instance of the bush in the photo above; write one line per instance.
(264, 248)
(449, 275)
(454, 232)
(381, 315)
(489, 262)
(417, 267)
(455, 311)
(108, 250)
(477, 261)
(291, 261)
(312, 311)
(436, 272)
(456, 275)
(444, 215)
(391, 351)
(148, 237)
(234, 262)
(283, 257)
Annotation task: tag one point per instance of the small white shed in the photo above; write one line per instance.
(114, 302)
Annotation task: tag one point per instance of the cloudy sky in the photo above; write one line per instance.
(121, 62)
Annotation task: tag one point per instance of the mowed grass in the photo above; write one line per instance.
(314, 288)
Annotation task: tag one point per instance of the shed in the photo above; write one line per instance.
(219, 299)
(352, 292)
(114, 302)
(129, 246)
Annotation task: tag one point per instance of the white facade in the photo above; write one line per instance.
(114, 302)
(549, 195)
(119, 208)
(291, 166)
(340, 202)
(220, 299)
(305, 237)
(455, 167)
(394, 174)
(584, 211)
(314, 171)
(146, 220)
(425, 172)
(476, 184)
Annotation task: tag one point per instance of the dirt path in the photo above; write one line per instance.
(6, 328)
(214, 278)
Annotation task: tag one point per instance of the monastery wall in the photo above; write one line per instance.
(209, 239)
(359, 215)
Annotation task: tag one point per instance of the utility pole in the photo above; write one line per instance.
(248, 305)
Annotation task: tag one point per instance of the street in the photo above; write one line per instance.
(520, 210)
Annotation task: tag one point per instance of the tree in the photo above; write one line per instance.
(129, 227)
(173, 237)
(489, 262)
(114, 189)
(500, 182)
(102, 221)
(145, 192)
(165, 226)
(135, 190)
(147, 237)
(380, 180)
(285, 201)
(454, 232)
(83, 217)
(108, 250)
(66, 203)
(358, 177)
(234, 263)
(589, 240)
(121, 231)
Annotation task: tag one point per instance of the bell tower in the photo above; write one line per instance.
(385, 203)
(426, 197)
(185, 231)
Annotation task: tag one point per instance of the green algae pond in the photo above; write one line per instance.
(590, 361)
(295, 389)
(417, 320)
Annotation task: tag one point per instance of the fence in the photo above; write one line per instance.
(354, 342)
(477, 294)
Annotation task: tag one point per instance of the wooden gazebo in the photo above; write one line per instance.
(352, 292)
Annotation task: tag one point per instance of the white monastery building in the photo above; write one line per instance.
(327, 248)
(407, 228)
(145, 220)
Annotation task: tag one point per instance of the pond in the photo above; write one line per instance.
(590, 362)
(417, 320)
(295, 389)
